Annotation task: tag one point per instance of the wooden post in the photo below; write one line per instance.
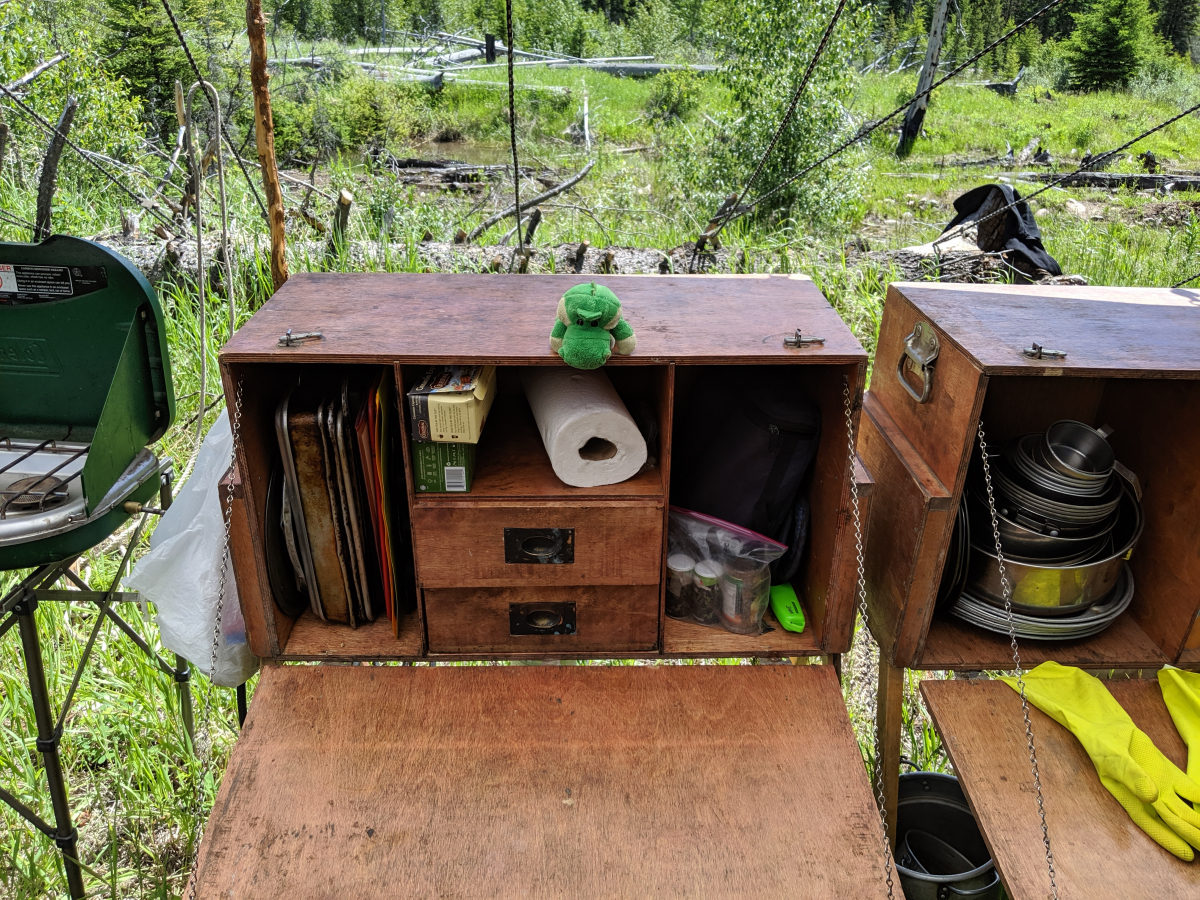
(49, 180)
(264, 132)
(3, 144)
(915, 116)
(888, 722)
(341, 220)
(534, 220)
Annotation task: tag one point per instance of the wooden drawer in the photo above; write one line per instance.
(607, 618)
(461, 545)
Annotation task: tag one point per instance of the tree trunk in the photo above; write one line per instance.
(915, 117)
(49, 180)
(264, 132)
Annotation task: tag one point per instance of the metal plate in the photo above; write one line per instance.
(539, 546)
(541, 618)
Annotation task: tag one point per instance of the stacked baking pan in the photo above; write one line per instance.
(1067, 522)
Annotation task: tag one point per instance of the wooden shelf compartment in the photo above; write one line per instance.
(687, 639)
(924, 452)
(1098, 850)
(312, 640)
(543, 781)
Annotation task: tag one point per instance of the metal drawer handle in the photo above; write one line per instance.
(539, 546)
(542, 618)
(920, 350)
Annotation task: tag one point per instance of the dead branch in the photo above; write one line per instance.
(264, 130)
(49, 180)
(37, 70)
(534, 201)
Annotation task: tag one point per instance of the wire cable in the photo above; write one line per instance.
(512, 128)
(14, 220)
(187, 51)
(867, 130)
(86, 157)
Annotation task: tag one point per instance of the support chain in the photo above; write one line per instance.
(1006, 591)
(861, 593)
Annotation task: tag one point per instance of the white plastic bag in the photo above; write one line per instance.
(181, 574)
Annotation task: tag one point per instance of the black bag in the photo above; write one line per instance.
(744, 442)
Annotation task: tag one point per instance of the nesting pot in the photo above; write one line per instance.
(940, 853)
(1039, 589)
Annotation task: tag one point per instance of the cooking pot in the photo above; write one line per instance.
(1077, 451)
(1032, 541)
(1040, 589)
(936, 834)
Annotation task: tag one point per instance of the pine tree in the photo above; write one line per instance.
(145, 51)
(1111, 40)
(1177, 22)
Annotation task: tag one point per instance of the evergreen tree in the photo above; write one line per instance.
(1110, 42)
(144, 50)
(1177, 22)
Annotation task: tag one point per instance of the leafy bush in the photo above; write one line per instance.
(674, 94)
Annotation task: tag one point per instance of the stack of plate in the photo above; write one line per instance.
(1090, 621)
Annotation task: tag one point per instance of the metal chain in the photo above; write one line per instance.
(861, 593)
(1006, 592)
(206, 721)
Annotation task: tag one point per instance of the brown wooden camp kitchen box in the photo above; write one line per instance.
(541, 781)
(1125, 361)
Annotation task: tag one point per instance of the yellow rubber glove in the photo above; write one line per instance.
(1181, 693)
(1150, 787)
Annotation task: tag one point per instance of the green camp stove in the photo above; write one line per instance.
(85, 388)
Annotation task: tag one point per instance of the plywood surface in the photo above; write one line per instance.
(544, 782)
(1104, 330)
(491, 318)
(1099, 854)
(689, 639)
(312, 639)
(953, 644)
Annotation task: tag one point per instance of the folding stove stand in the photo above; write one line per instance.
(86, 381)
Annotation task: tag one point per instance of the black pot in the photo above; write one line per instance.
(944, 837)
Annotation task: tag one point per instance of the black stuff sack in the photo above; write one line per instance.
(744, 442)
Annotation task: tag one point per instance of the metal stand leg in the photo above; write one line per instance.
(47, 744)
(241, 704)
(889, 722)
(183, 681)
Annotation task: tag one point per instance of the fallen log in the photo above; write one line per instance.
(634, 70)
(540, 198)
(1113, 180)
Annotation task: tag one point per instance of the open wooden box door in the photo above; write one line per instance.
(544, 781)
(1098, 851)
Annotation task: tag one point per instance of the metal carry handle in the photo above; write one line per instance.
(921, 348)
(955, 891)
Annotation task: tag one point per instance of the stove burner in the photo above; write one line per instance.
(34, 492)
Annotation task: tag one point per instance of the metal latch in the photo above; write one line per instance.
(1037, 351)
(921, 348)
(288, 339)
(802, 340)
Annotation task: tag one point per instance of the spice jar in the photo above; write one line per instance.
(745, 593)
(681, 586)
(706, 578)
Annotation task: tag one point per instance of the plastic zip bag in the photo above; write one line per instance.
(181, 574)
(718, 573)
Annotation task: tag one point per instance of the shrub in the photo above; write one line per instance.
(1112, 40)
(674, 95)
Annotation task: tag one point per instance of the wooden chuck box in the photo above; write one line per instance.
(1132, 363)
(377, 780)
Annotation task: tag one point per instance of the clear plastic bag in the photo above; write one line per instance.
(718, 573)
(181, 574)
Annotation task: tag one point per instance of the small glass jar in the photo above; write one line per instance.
(681, 586)
(706, 577)
(745, 593)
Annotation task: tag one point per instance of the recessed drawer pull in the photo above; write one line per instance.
(539, 546)
(541, 618)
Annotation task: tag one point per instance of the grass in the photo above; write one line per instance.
(130, 771)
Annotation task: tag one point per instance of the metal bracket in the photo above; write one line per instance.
(287, 339)
(921, 348)
(1037, 351)
(800, 341)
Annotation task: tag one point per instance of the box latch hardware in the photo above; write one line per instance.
(1037, 351)
(288, 339)
(541, 618)
(539, 546)
(921, 348)
(799, 340)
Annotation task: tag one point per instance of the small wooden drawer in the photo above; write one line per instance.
(592, 619)
(496, 545)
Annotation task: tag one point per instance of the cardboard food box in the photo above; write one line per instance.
(451, 403)
(442, 467)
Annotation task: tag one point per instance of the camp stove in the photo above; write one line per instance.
(85, 387)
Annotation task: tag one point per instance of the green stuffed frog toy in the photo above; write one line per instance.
(589, 327)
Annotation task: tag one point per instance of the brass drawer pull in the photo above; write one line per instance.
(541, 618)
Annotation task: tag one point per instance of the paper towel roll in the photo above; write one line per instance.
(589, 435)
